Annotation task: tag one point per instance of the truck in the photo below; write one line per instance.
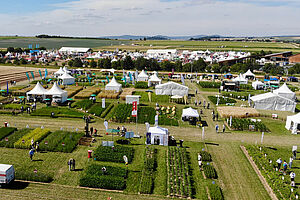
(7, 174)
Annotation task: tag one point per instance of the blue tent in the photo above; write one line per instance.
(274, 79)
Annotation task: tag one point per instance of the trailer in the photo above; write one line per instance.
(7, 174)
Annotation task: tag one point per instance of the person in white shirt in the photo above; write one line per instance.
(292, 175)
(291, 162)
(279, 161)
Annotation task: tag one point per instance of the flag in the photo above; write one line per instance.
(27, 76)
(134, 109)
(182, 79)
(107, 79)
(40, 74)
(46, 73)
(130, 76)
(7, 90)
(156, 120)
(32, 75)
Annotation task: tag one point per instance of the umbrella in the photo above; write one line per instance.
(21, 97)
(70, 99)
(2, 90)
(149, 91)
(47, 99)
(93, 95)
(112, 130)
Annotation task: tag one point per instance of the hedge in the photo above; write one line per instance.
(210, 171)
(84, 104)
(205, 156)
(243, 124)
(205, 84)
(105, 112)
(37, 135)
(109, 154)
(14, 138)
(31, 176)
(147, 179)
(215, 192)
(14, 106)
(97, 109)
(141, 84)
(95, 169)
(222, 100)
(5, 131)
(58, 112)
(71, 140)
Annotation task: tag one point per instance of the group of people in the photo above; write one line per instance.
(205, 105)
(223, 128)
(71, 164)
(285, 166)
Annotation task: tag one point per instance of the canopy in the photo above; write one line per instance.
(176, 97)
(108, 70)
(189, 112)
(113, 85)
(271, 101)
(292, 123)
(257, 85)
(285, 92)
(171, 88)
(154, 80)
(60, 72)
(158, 129)
(142, 76)
(56, 91)
(67, 79)
(159, 135)
(241, 79)
(249, 74)
(37, 90)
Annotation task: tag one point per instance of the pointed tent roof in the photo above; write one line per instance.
(190, 112)
(113, 82)
(249, 73)
(55, 90)
(283, 89)
(295, 118)
(170, 83)
(240, 78)
(143, 74)
(60, 71)
(66, 76)
(158, 129)
(154, 78)
(38, 89)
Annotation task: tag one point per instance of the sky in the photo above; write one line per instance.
(98, 18)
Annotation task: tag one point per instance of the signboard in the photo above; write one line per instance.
(251, 127)
(103, 103)
(108, 143)
(134, 109)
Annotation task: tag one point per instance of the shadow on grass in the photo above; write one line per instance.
(38, 160)
(210, 143)
(273, 148)
(78, 170)
(16, 185)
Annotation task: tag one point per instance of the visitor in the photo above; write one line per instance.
(213, 117)
(199, 103)
(224, 127)
(294, 154)
(217, 116)
(91, 130)
(199, 160)
(279, 161)
(70, 164)
(291, 162)
(37, 146)
(201, 111)
(204, 103)
(285, 165)
(95, 132)
(195, 102)
(196, 91)
(73, 164)
(217, 128)
(292, 175)
(208, 104)
(31, 153)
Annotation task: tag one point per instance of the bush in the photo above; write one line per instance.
(222, 100)
(37, 135)
(84, 104)
(96, 170)
(115, 154)
(205, 156)
(121, 141)
(205, 84)
(243, 124)
(31, 176)
(14, 138)
(107, 110)
(58, 112)
(215, 192)
(141, 84)
(210, 171)
(97, 109)
(5, 131)
(105, 182)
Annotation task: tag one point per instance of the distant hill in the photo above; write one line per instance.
(157, 37)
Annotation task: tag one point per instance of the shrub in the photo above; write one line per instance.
(96, 170)
(37, 135)
(243, 124)
(31, 176)
(84, 104)
(14, 138)
(105, 182)
(58, 112)
(5, 131)
(97, 109)
(107, 110)
(222, 100)
(115, 154)
(210, 171)
(205, 84)
(215, 192)
(141, 84)
(205, 156)
(121, 141)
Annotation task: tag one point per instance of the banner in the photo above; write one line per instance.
(103, 103)
(40, 74)
(46, 73)
(107, 79)
(156, 120)
(7, 90)
(134, 109)
(28, 76)
(32, 75)
(106, 124)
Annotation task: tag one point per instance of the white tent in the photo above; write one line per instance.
(257, 85)
(58, 73)
(154, 80)
(142, 76)
(171, 88)
(249, 74)
(271, 101)
(108, 70)
(57, 94)
(159, 135)
(38, 90)
(67, 79)
(241, 79)
(284, 91)
(113, 85)
(293, 123)
(66, 70)
(189, 112)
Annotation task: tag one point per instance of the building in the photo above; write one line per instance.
(74, 50)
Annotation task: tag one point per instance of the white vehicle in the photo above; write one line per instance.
(7, 174)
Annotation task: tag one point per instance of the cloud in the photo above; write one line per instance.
(151, 17)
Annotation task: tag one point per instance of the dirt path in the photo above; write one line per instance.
(262, 179)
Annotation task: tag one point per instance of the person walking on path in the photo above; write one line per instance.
(279, 161)
(37, 146)
(292, 175)
(204, 103)
(224, 127)
(73, 164)
(291, 162)
(208, 104)
(217, 116)
(285, 165)
(70, 164)
(217, 128)
(31, 153)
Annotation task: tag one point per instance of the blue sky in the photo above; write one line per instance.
(149, 17)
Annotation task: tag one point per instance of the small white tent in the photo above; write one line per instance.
(113, 85)
(67, 79)
(189, 112)
(241, 79)
(171, 88)
(271, 101)
(159, 135)
(142, 76)
(58, 73)
(258, 85)
(57, 94)
(38, 90)
(249, 75)
(66, 70)
(284, 91)
(293, 123)
(154, 80)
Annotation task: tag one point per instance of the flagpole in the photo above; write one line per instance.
(136, 119)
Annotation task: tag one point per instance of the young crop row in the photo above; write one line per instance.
(5, 131)
(222, 100)
(98, 110)
(84, 104)
(281, 186)
(10, 140)
(37, 135)
(114, 154)
(147, 180)
(179, 176)
(245, 124)
(206, 84)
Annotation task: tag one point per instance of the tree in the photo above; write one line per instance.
(10, 49)
(127, 63)
(100, 63)
(93, 64)
(77, 62)
(70, 63)
(215, 68)
(107, 63)
(199, 65)
(23, 61)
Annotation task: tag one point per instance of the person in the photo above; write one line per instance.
(224, 127)
(217, 116)
(123, 129)
(32, 142)
(279, 161)
(292, 175)
(199, 102)
(291, 162)
(37, 146)
(92, 130)
(201, 111)
(73, 164)
(31, 153)
(70, 164)
(285, 165)
(217, 128)
(196, 91)
(28, 110)
(208, 104)
(95, 132)
(213, 117)
(199, 160)
(294, 154)
(195, 102)
(204, 103)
